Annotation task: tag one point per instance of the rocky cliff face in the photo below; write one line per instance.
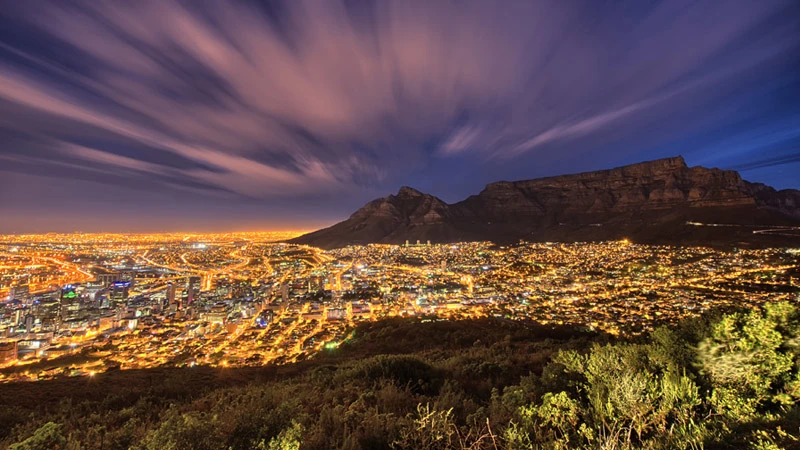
(649, 201)
(409, 205)
(408, 215)
(655, 185)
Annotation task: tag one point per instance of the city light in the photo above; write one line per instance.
(244, 299)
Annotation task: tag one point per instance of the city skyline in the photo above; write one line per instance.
(248, 299)
(243, 116)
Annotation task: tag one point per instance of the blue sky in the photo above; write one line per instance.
(237, 115)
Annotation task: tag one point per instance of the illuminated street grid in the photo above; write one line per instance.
(82, 304)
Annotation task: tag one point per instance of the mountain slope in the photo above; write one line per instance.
(657, 201)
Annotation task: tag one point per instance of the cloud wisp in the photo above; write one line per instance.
(310, 98)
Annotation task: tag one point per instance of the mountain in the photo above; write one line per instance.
(661, 201)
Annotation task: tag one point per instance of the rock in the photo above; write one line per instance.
(650, 202)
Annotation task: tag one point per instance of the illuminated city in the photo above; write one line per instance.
(399, 225)
(78, 305)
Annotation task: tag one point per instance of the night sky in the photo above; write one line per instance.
(214, 116)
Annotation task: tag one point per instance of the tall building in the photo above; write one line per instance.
(30, 323)
(119, 292)
(192, 289)
(170, 299)
(68, 303)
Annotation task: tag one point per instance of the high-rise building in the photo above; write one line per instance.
(30, 322)
(170, 298)
(68, 303)
(119, 292)
(192, 289)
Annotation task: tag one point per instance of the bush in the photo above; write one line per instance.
(47, 437)
(725, 381)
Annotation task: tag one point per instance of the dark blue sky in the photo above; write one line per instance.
(210, 115)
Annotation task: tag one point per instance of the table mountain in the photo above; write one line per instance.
(661, 201)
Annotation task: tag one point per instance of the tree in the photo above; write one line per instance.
(747, 359)
(47, 437)
(288, 439)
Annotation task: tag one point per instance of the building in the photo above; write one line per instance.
(218, 313)
(19, 292)
(265, 318)
(192, 289)
(129, 277)
(336, 313)
(170, 298)
(8, 352)
(68, 304)
(30, 323)
(32, 346)
(315, 284)
(285, 292)
(106, 278)
(119, 292)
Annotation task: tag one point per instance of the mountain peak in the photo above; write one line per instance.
(674, 162)
(407, 191)
(659, 201)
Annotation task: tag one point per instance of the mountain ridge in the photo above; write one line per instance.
(653, 201)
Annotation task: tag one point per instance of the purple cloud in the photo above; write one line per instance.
(323, 97)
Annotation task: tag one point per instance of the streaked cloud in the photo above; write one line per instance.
(308, 99)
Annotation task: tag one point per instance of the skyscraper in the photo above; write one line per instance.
(192, 289)
(170, 299)
(119, 292)
(68, 301)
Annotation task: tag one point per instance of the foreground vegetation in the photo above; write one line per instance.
(722, 381)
